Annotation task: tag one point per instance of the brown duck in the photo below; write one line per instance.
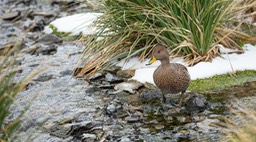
(170, 78)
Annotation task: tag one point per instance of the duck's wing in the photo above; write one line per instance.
(179, 67)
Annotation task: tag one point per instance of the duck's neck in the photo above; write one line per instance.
(165, 61)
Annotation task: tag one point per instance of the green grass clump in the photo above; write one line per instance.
(191, 28)
(219, 82)
(9, 90)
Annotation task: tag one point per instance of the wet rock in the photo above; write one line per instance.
(195, 104)
(132, 118)
(146, 109)
(149, 95)
(95, 76)
(93, 89)
(10, 15)
(66, 72)
(48, 50)
(129, 86)
(26, 24)
(62, 131)
(50, 39)
(34, 65)
(125, 140)
(36, 25)
(205, 126)
(183, 119)
(198, 118)
(105, 85)
(44, 14)
(159, 127)
(89, 137)
(125, 73)
(44, 78)
(183, 134)
(66, 128)
(111, 109)
(42, 49)
(112, 78)
(62, 2)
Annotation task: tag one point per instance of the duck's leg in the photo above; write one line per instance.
(181, 99)
(163, 98)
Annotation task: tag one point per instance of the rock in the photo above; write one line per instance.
(112, 78)
(125, 140)
(44, 14)
(159, 127)
(125, 73)
(111, 109)
(129, 86)
(10, 15)
(62, 131)
(48, 50)
(149, 95)
(93, 89)
(195, 104)
(66, 72)
(183, 134)
(62, 2)
(89, 137)
(132, 118)
(44, 78)
(50, 39)
(181, 119)
(41, 49)
(26, 24)
(66, 128)
(95, 76)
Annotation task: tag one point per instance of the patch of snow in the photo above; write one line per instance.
(75, 24)
(219, 65)
(224, 50)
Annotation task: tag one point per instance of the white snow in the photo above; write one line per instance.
(75, 24)
(229, 63)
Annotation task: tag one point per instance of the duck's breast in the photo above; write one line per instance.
(172, 79)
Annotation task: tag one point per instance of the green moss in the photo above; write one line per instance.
(58, 33)
(219, 82)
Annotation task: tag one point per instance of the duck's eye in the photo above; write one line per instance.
(158, 51)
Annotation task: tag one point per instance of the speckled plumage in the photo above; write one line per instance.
(170, 78)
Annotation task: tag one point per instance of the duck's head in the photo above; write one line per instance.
(159, 53)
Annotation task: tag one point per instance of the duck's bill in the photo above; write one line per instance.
(152, 60)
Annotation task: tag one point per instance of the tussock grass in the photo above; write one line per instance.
(9, 89)
(192, 29)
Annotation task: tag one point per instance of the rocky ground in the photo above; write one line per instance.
(107, 106)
